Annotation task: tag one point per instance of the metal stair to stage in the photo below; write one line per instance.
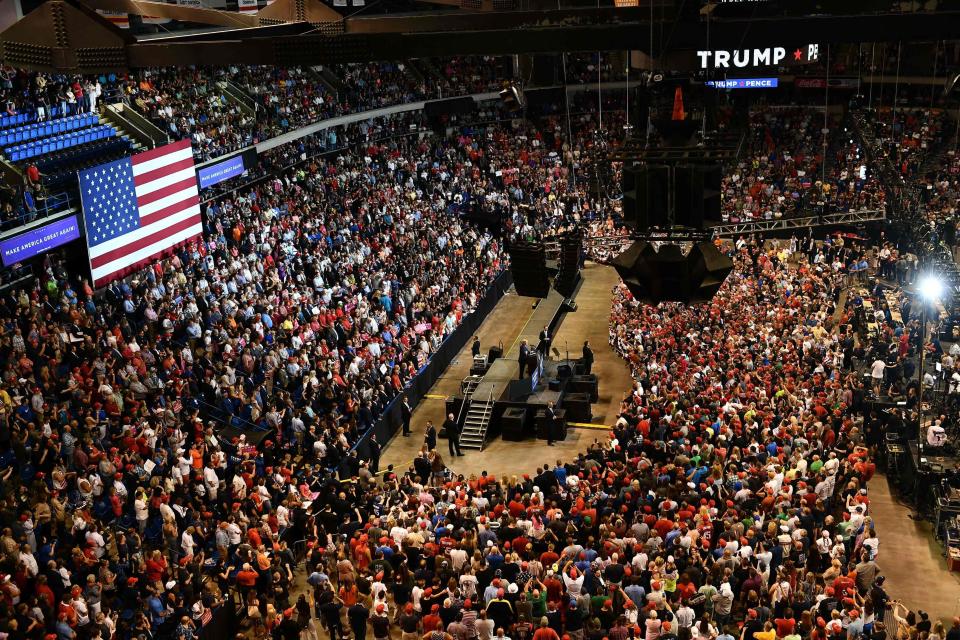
(474, 432)
(467, 387)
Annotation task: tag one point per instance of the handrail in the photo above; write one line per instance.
(129, 123)
(212, 411)
(144, 124)
(241, 94)
(21, 277)
(44, 209)
(463, 405)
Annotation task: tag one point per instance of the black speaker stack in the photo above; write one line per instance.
(671, 197)
(528, 265)
(691, 191)
(668, 274)
(571, 246)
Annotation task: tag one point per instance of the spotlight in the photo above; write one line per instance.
(930, 288)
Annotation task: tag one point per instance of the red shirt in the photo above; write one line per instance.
(785, 626)
(545, 633)
(247, 578)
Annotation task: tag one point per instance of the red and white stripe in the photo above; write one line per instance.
(118, 18)
(247, 6)
(168, 202)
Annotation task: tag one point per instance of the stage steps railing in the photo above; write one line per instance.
(470, 384)
(474, 433)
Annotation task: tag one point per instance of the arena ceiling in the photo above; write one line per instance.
(68, 35)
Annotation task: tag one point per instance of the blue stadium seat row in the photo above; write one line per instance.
(48, 128)
(57, 143)
(60, 169)
(25, 117)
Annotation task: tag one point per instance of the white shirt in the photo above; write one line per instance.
(30, 563)
(140, 508)
(187, 543)
(936, 435)
(98, 541)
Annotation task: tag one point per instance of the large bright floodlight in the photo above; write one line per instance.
(930, 287)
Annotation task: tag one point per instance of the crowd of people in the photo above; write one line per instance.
(460, 75)
(311, 303)
(192, 102)
(784, 173)
(590, 67)
(47, 96)
(729, 499)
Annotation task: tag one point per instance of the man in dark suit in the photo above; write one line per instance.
(544, 345)
(422, 467)
(551, 417)
(430, 436)
(524, 356)
(374, 448)
(475, 349)
(405, 412)
(587, 357)
(453, 435)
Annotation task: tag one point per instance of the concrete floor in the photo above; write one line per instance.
(910, 557)
(505, 323)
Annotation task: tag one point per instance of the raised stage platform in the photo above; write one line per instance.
(503, 371)
(513, 406)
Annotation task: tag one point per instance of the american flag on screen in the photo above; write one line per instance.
(139, 208)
